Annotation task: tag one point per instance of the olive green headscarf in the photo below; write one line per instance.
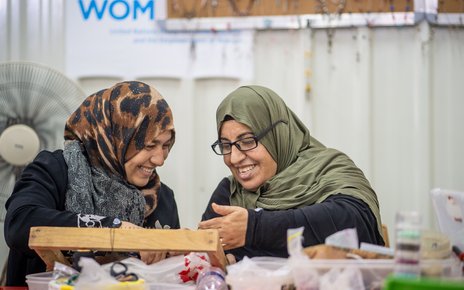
(307, 171)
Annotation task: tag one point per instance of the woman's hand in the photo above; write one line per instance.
(232, 225)
(148, 257)
(151, 257)
(128, 225)
(231, 259)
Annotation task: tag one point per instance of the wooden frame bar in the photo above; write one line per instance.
(49, 241)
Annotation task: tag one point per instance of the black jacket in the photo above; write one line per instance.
(267, 230)
(38, 199)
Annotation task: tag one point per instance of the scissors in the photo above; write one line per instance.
(119, 271)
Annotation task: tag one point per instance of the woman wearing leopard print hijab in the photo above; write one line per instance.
(106, 172)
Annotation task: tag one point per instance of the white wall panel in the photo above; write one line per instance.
(279, 65)
(422, 123)
(447, 87)
(4, 30)
(92, 85)
(340, 101)
(33, 30)
(16, 30)
(393, 120)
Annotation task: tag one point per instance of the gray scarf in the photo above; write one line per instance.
(92, 191)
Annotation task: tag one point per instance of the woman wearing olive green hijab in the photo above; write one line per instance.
(282, 178)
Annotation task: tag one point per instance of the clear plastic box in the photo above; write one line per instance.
(39, 281)
(374, 271)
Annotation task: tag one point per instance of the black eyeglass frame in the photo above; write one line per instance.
(255, 137)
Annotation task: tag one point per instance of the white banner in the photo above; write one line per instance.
(124, 38)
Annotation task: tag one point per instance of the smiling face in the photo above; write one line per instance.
(250, 168)
(140, 168)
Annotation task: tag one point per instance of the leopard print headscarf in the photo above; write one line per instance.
(114, 124)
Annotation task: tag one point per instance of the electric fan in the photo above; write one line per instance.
(35, 102)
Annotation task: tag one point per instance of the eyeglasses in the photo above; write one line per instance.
(242, 144)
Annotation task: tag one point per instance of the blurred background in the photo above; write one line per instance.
(379, 80)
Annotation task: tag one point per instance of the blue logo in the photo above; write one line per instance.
(117, 9)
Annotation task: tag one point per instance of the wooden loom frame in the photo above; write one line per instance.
(49, 241)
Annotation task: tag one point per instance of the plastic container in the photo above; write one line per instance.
(211, 278)
(374, 271)
(39, 281)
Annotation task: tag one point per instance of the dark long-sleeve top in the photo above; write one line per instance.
(266, 233)
(38, 199)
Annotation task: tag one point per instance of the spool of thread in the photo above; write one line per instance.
(408, 244)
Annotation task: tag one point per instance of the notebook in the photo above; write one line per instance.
(449, 211)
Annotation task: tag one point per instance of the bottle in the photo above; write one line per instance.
(211, 278)
(408, 244)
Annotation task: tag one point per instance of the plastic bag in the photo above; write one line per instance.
(347, 238)
(342, 279)
(93, 276)
(259, 273)
(163, 271)
(178, 269)
(61, 271)
(62, 276)
(304, 277)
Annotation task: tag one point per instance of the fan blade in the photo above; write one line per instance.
(7, 178)
(39, 97)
